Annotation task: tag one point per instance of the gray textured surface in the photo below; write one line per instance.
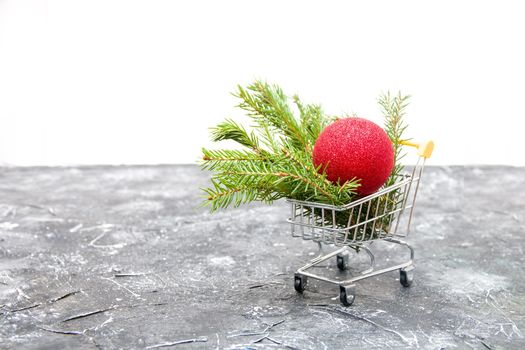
(211, 277)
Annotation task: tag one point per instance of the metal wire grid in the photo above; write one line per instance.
(354, 226)
(376, 216)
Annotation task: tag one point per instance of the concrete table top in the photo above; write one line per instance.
(122, 257)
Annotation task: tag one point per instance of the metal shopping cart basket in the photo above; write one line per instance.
(355, 226)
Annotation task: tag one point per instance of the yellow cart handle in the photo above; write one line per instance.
(424, 149)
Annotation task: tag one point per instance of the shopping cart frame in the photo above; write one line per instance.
(377, 216)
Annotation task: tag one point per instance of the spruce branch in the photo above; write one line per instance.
(230, 130)
(276, 158)
(221, 196)
(221, 159)
(393, 109)
(268, 106)
(312, 119)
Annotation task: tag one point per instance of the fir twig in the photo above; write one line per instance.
(276, 159)
(393, 108)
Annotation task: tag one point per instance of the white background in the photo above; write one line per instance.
(139, 82)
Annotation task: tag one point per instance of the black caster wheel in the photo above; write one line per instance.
(342, 261)
(347, 295)
(406, 276)
(300, 282)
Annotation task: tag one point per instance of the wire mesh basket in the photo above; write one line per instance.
(385, 215)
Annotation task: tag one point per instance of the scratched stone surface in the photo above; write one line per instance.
(122, 257)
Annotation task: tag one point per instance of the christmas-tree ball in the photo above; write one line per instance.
(355, 148)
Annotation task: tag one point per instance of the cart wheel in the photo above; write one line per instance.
(342, 261)
(406, 276)
(300, 282)
(347, 295)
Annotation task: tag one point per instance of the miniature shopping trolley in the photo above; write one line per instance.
(385, 215)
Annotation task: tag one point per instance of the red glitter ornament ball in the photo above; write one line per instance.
(355, 148)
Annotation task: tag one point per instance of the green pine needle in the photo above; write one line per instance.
(276, 159)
